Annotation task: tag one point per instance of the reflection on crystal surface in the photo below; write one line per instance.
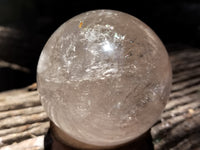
(104, 77)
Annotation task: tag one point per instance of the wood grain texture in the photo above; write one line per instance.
(23, 123)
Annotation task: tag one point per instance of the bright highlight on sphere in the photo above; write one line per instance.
(104, 78)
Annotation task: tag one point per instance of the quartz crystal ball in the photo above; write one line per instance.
(104, 78)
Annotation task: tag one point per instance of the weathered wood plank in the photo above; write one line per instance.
(24, 111)
(18, 99)
(30, 133)
(19, 129)
(23, 119)
(35, 143)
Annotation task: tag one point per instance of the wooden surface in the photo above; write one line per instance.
(23, 123)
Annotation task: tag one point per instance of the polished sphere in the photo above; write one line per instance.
(104, 78)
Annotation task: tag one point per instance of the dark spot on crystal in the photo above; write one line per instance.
(141, 55)
(130, 54)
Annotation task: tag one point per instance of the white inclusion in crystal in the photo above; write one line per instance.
(96, 33)
(119, 37)
(107, 47)
(87, 70)
(74, 48)
(89, 102)
(69, 62)
(47, 80)
(110, 71)
(108, 114)
(119, 105)
(116, 36)
(154, 94)
(94, 67)
(61, 46)
(109, 26)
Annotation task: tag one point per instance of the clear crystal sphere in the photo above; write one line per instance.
(104, 78)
